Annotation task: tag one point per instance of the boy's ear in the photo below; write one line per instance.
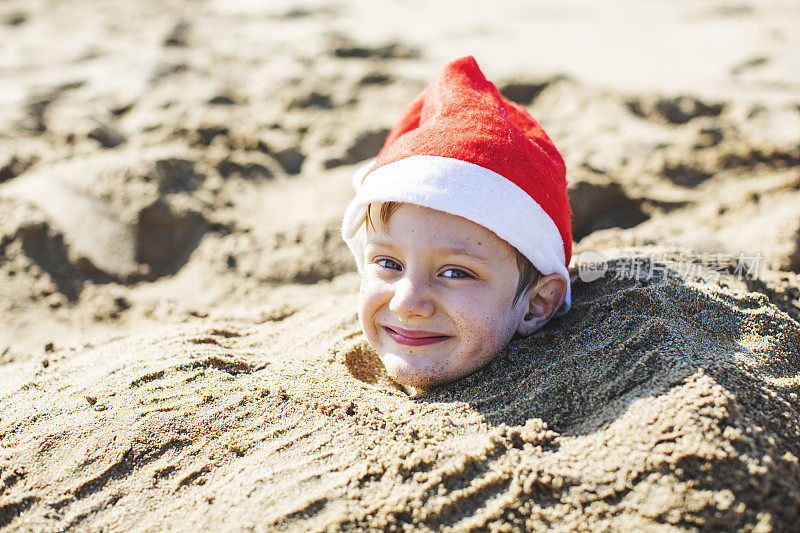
(542, 301)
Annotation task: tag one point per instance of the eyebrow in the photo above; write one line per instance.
(463, 252)
(444, 250)
(377, 241)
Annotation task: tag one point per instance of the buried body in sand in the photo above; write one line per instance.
(634, 402)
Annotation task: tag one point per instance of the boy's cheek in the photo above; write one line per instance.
(371, 290)
(363, 292)
(362, 311)
(367, 307)
(368, 278)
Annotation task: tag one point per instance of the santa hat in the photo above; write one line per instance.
(462, 148)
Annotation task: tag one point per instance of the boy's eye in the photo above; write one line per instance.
(388, 263)
(456, 273)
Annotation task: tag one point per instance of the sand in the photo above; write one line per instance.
(179, 347)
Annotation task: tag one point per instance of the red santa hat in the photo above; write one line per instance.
(462, 148)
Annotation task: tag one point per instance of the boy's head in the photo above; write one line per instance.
(460, 229)
(440, 295)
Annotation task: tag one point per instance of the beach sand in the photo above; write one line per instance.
(179, 346)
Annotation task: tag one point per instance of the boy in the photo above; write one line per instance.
(460, 229)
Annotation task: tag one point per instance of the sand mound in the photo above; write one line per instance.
(657, 402)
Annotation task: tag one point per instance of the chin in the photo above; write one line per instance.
(401, 371)
(417, 382)
(398, 368)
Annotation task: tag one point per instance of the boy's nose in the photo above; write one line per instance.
(411, 298)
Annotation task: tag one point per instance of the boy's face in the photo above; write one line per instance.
(437, 291)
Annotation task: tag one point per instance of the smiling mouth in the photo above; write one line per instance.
(414, 338)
